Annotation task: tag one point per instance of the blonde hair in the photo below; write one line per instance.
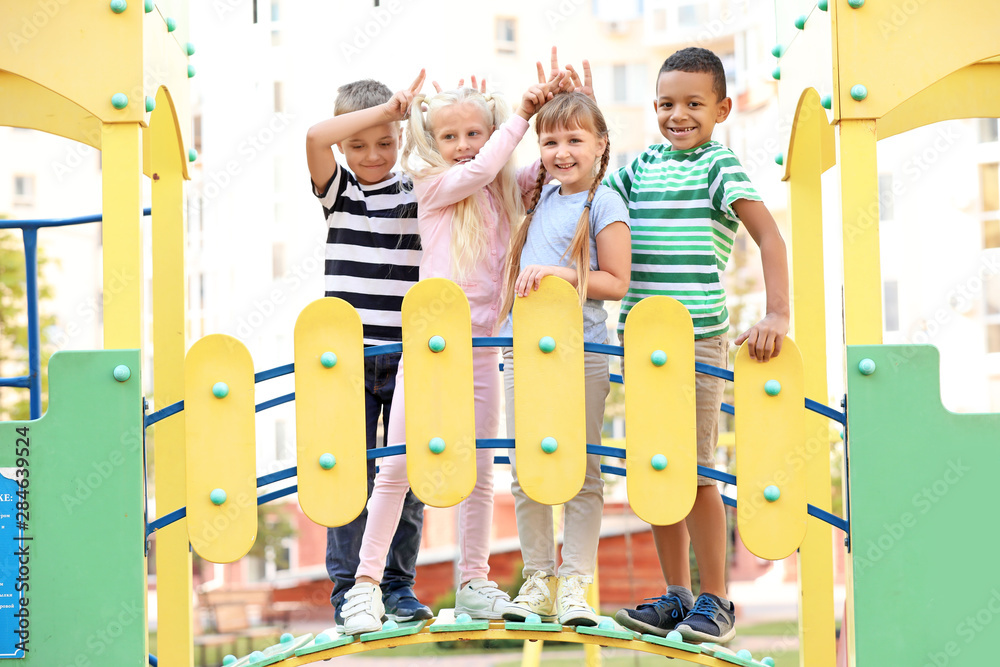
(421, 160)
(564, 111)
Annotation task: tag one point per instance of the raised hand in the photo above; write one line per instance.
(540, 93)
(478, 85)
(398, 106)
(573, 82)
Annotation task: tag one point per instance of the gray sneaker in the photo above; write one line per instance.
(710, 620)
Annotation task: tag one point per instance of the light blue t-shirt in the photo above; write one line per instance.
(551, 233)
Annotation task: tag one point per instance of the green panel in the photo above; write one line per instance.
(924, 541)
(87, 595)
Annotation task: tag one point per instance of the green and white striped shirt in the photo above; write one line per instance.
(683, 227)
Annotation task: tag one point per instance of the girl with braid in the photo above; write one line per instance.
(576, 229)
(458, 153)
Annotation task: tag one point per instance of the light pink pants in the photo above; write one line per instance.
(475, 513)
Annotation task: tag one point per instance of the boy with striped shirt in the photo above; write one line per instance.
(372, 259)
(686, 201)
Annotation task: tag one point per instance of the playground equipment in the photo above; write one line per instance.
(83, 460)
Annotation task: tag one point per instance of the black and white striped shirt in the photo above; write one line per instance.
(372, 249)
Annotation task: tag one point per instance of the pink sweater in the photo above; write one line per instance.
(436, 199)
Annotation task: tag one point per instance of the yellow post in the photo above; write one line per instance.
(173, 556)
(121, 147)
(859, 197)
(810, 154)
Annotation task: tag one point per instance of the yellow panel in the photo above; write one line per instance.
(660, 411)
(860, 207)
(38, 108)
(122, 236)
(330, 412)
(173, 557)
(221, 449)
(896, 49)
(166, 67)
(439, 392)
(805, 63)
(549, 396)
(971, 92)
(769, 432)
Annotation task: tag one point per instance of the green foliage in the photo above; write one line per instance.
(274, 525)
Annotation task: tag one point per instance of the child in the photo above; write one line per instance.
(372, 258)
(575, 229)
(459, 155)
(686, 201)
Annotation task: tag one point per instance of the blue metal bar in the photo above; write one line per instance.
(153, 661)
(165, 520)
(159, 415)
(280, 493)
(22, 381)
(276, 476)
(275, 372)
(287, 398)
(34, 336)
(55, 222)
(611, 350)
(388, 348)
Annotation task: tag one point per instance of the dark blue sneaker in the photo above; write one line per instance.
(402, 605)
(709, 621)
(657, 619)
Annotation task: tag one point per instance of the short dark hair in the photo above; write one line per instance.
(359, 95)
(695, 59)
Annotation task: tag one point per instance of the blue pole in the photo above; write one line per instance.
(34, 339)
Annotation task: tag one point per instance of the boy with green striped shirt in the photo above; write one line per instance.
(686, 201)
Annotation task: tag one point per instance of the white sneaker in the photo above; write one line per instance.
(481, 599)
(572, 604)
(362, 610)
(537, 596)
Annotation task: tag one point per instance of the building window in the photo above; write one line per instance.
(987, 130)
(991, 297)
(196, 126)
(506, 35)
(885, 198)
(989, 186)
(891, 305)
(278, 260)
(991, 234)
(692, 15)
(279, 97)
(620, 77)
(275, 11)
(24, 189)
(281, 444)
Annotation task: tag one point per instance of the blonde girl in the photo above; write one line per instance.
(577, 230)
(458, 153)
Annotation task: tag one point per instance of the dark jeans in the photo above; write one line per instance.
(343, 544)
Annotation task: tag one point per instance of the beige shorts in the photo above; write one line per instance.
(708, 391)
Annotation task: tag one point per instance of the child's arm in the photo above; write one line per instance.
(321, 137)
(610, 282)
(766, 336)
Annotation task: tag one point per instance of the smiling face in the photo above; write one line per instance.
(460, 130)
(688, 109)
(371, 153)
(569, 154)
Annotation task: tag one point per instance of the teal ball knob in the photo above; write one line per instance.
(228, 660)
(118, 6)
(171, 24)
(745, 654)
(286, 637)
(777, 50)
(328, 359)
(150, 103)
(191, 71)
(779, 159)
(220, 390)
(119, 100)
(866, 366)
(772, 387)
(192, 155)
(327, 461)
(436, 445)
(255, 657)
(675, 636)
(659, 462)
(769, 661)
(463, 618)
(800, 22)
(390, 625)
(549, 445)
(776, 74)
(321, 638)
(658, 357)
(189, 47)
(856, 4)
(827, 101)
(533, 618)
(606, 624)
(122, 373)
(217, 496)
(858, 92)
(772, 493)
(823, 5)
(150, 6)
(546, 344)
(436, 343)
